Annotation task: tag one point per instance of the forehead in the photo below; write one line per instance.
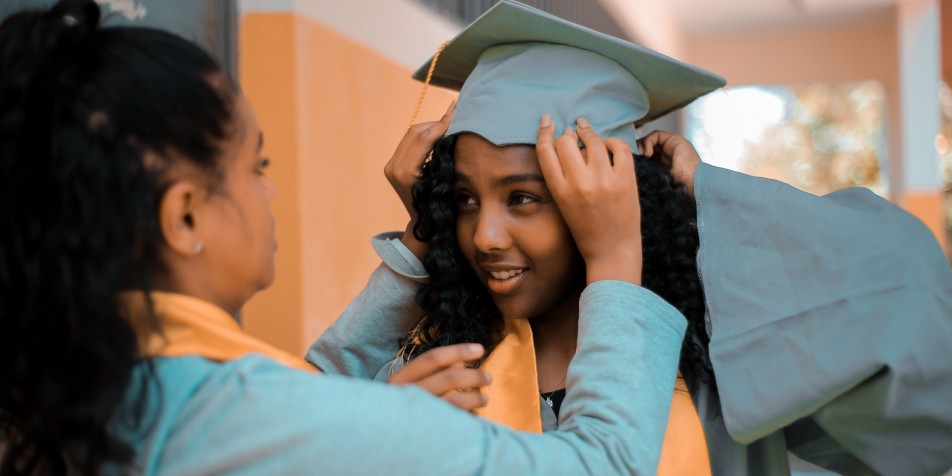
(477, 157)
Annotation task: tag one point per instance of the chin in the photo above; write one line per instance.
(268, 279)
(513, 310)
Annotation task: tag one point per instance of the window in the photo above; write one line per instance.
(818, 137)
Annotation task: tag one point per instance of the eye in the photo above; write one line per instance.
(465, 200)
(263, 165)
(522, 199)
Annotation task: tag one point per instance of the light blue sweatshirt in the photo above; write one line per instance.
(255, 416)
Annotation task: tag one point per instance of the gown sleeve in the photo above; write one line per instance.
(366, 336)
(254, 416)
(830, 319)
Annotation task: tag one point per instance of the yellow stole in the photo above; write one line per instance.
(514, 402)
(191, 326)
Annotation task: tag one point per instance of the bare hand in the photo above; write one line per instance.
(675, 152)
(404, 167)
(442, 372)
(598, 200)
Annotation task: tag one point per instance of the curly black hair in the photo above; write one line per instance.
(80, 105)
(459, 309)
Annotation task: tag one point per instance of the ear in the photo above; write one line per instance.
(178, 217)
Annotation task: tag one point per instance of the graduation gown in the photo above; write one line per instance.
(831, 322)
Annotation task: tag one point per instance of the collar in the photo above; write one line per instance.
(191, 326)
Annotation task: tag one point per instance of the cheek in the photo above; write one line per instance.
(556, 257)
(550, 241)
(464, 237)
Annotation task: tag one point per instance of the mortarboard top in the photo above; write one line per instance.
(515, 63)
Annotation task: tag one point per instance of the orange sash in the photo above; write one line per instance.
(191, 326)
(514, 393)
(514, 402)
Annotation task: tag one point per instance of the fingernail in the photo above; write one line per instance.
(475, 349)
(452, 107)
(546, 121)
(568, 131)
(489, 378)
(582, 122)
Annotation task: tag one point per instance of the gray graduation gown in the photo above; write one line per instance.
(831, 325)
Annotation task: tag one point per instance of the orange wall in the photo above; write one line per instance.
(268, 77)
(839, 52)
(930, 208)
(332, 112)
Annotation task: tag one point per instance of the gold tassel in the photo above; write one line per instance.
(426, 84)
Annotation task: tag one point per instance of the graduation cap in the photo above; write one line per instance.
(516, 63)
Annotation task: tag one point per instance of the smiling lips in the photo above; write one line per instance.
(503, 282)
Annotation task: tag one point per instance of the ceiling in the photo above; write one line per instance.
(700, 17)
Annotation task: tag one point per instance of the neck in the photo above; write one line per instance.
(555, 335)
(187, 284)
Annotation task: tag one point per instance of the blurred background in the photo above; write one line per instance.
(822, 94)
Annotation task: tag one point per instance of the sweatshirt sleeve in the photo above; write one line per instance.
(274, 420)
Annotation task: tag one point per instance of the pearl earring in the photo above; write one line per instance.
(198, 247)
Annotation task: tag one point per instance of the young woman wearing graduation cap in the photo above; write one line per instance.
(135, 215)
(792, 339)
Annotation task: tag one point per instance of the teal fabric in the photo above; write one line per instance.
(254, 416)
(668, 83)
(831, 321)
(514, 85)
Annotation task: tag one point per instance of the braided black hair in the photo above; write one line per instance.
(80, 105)
(458, 308)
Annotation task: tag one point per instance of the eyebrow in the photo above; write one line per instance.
(509, 179)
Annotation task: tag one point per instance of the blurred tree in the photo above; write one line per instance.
(830, 139)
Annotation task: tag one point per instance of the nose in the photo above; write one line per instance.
(491, 233)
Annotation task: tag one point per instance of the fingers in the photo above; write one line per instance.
(468, 401)
(569, 155)
(454, 379)
(436, 360)
(443, 372)
(622, 153)
(406, 165)
(548, 157)
(435, 130)
(598, 158)
(647, 144)
(448, 116)
(653, 141)
(563, 159)
(417, 143)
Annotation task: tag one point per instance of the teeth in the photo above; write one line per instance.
(506, 274)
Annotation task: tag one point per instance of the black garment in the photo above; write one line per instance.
(554, 399)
